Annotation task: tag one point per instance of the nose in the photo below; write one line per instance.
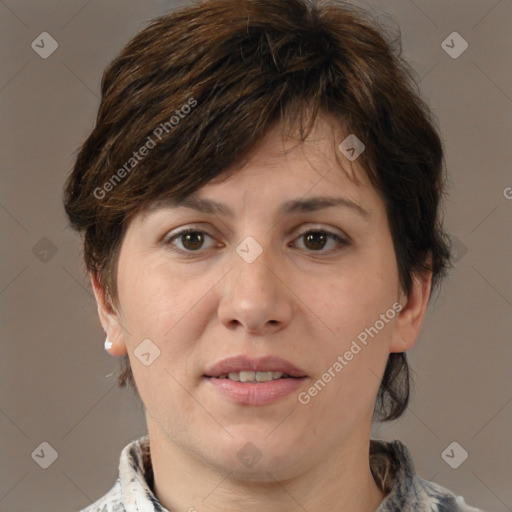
(255, 296)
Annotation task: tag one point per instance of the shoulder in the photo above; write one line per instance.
(111, 502)
(393, 469)
(132, 489)
(436, 498)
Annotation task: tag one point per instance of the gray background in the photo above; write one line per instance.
(56, 379)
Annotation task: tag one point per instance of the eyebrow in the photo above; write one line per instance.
(311, 204)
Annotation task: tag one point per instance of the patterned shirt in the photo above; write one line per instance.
(390, 463)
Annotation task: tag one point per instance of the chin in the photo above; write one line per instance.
(253, 458)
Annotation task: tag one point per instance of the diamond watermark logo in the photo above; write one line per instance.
(249, 249)
(249, 455)
(44, 250)
(454, 455)
(45, 455)
(458, 249)
(146, 352)
(351, 147)
(44, 45)
(454, 45)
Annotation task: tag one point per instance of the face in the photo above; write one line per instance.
(311, 292)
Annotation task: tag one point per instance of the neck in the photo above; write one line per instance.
(341, 483)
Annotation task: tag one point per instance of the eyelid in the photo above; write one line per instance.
(342, 241)
(342, 238)
(176, 234)
(332, 231)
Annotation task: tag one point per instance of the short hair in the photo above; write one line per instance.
(199, 87)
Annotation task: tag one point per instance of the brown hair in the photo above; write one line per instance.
(200, 86)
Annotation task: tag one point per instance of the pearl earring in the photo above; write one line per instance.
(108, 345)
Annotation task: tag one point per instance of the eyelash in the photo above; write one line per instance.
(333, 236)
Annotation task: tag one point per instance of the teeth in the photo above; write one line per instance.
(247, 376)
(265, 376)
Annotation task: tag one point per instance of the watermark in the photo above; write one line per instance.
(44, 250)
(352, 147)
(454, 455)
(151, 141)
(45, 455)
(146, 352)
(454, 45)
(249, 455)
(304, 397)
(507, 192)
(44, 45)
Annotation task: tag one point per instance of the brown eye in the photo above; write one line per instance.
(191, 240)
(316, 240)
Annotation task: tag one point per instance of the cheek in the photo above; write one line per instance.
(349, 308)
(154, 297)
(161, 305)
(352, 298)
(352, 364)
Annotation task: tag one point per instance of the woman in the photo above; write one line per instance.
(259, 201)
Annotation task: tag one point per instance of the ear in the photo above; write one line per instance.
(109, 319)
(412, 314)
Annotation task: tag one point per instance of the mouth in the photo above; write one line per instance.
(249, 376)
(255, 381)
(246, 369)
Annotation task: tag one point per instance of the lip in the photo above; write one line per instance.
(263, 364)
(255, 393)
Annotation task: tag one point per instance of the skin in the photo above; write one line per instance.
(201, 307)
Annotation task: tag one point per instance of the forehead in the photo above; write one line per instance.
(284, 147)
(299, 175)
